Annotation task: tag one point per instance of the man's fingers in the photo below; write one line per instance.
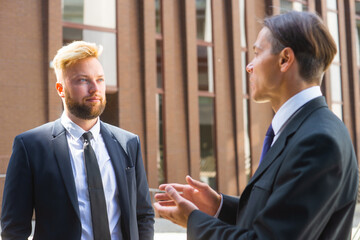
(173, 194)
(161, 196)
(177, 186)
(195, 184)
(167, 203)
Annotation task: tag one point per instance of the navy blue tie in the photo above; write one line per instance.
(269, 137)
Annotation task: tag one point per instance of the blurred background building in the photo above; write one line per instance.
(175, 72)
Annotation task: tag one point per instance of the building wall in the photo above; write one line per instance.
(23, 73)
(32, 33)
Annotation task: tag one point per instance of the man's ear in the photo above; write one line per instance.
(287, 58)
(60, 89)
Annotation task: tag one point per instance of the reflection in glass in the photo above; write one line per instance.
(107, 40)
(203, 20)
(159, 60)
(242, 23)
(247, 148)
(90, 12)
(158, 15)
(205, 68)
(358, 41)
(332, 20)
(287, 5)
(208, 162)
(160, 155)
(73, 11)
(337, 110)
(331, 4)
(357, 6)
(335, 80)
(336, 94)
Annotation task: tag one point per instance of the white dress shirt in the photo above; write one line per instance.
(290, 107)
(75, 143)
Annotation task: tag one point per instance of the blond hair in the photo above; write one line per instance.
(72, 53)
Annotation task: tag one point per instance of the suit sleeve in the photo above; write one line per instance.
(17, 204)
(301, 201)
(144, 210)
(229, 209)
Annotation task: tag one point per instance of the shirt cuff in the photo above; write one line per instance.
(219, 209)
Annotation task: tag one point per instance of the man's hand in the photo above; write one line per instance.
(177, 209)
(200, 194)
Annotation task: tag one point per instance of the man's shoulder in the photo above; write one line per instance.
(42, 130)
(119, 132)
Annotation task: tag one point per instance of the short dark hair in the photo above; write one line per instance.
(306, 34)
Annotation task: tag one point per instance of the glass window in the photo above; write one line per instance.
(333, 25)
(160, 155)
(331, 4)
(335, 83)
(335, 67)
(337, 109)
(358, 40)
(289, 5)
(90, 12)
(208, 163)
(285, 5)
(247, 148)
(357, 7)
(158, 16)
(73, 11)
(106, 39)
(205, 68)
(204, 24)
(159, 63)
(242, 24)
(161, 162)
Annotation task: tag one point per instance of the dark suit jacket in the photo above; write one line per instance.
(305, 188)
(39, 176)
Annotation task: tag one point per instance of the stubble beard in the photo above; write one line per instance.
(82, 110)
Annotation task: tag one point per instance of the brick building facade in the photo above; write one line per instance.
(178, 78)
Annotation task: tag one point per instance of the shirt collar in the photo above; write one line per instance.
(292, 105)
(76, 131)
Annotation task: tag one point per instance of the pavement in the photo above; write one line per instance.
(165, 230)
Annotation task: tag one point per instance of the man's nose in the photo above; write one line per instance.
(249, 68)
(94, 86)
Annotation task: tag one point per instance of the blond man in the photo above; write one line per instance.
(83, 178)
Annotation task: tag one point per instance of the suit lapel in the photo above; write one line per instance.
(118, 159)
(288, 131)
(61, 150)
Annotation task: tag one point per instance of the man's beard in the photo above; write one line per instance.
(83, 111)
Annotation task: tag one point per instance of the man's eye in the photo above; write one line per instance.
(101, 80)
(82, 80)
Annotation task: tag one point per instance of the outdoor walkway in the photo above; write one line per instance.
(166, 230)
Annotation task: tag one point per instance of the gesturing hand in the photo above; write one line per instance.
(178, 210)
(198, 193)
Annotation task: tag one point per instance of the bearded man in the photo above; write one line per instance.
(83, 178)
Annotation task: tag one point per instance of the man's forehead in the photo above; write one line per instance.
(262, 38)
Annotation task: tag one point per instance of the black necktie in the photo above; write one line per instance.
(100, 222)
(269, 137)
